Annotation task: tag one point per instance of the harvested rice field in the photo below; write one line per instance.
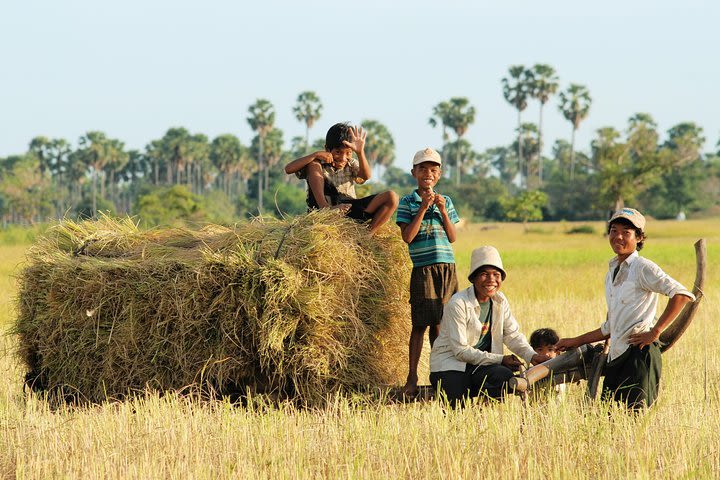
(554, 280)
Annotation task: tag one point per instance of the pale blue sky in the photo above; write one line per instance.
(135, 68)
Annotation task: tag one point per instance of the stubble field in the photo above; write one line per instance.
(554, 279)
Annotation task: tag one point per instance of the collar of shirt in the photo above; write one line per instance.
(629, 260)
(624, 266)
(472, 299)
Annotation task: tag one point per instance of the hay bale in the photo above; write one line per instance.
(299, 308)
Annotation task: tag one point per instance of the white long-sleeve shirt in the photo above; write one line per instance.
(460, 330)
(632, 299)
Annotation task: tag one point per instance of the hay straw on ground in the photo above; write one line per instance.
(299, 308)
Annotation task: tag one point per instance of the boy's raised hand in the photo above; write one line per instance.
(357, 139)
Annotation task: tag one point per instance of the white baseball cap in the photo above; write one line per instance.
(427, 155)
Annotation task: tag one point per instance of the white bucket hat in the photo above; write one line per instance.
(486, 255)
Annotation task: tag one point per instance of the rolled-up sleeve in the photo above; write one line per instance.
(651, 277)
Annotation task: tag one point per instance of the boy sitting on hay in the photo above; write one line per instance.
(332, 174)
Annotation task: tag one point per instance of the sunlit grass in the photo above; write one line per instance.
(553, 280)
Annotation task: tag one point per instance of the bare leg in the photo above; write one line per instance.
(382, 207)
(316, 182)
(416, 344)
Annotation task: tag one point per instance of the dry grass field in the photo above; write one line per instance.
(554, 279)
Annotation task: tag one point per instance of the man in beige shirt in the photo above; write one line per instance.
(467, 357)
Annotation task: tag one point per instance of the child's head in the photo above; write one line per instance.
(626, 231)
(427, 168)
(334, 144)
(543, 341)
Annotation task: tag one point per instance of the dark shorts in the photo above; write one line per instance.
(357, 208)
(634, 377)
(357, 205)
(431, 287)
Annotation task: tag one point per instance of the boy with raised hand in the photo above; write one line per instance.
(332, 174)
(632, 374)
(427, 223)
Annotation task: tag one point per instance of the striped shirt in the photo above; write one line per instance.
(431, 244)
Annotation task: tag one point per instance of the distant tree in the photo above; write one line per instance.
(261, 120)
(441, 116)
(271, 146)
(570, 200)
(379, 146)
(685, 142)
(526, 207)
(117, 159)
(504, 160)
(52, 156)
(95, 152)
(170, 206)
(461, 148)
(137, 170)
(516, 90)
(456, 114)
(226, 153)
(528, 137)
(308, 109)
(287, 200)
(179, 153)
(397, 177)
(39, 147)
(575, 106)
(25, 189)
(298, 147)
(543, 84)
(679, 187)
(627, 169)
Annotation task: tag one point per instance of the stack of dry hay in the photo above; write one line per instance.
(298, 308)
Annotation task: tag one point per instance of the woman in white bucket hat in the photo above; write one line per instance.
(467, 357)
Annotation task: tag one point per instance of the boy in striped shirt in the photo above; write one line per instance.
(427, 223)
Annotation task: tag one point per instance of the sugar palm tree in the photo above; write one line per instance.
(261, 120)
(380, 145)
(456, 114)
(96, 150)
(307, 110)
(272, 147)
(575, 106)
(543, 85)
(516, 91)
(225, 154)
(441, 116)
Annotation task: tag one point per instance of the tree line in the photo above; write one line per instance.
(185, 176)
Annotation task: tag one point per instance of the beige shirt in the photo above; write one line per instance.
(343, 179)
(632, 299)
(460, 330)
